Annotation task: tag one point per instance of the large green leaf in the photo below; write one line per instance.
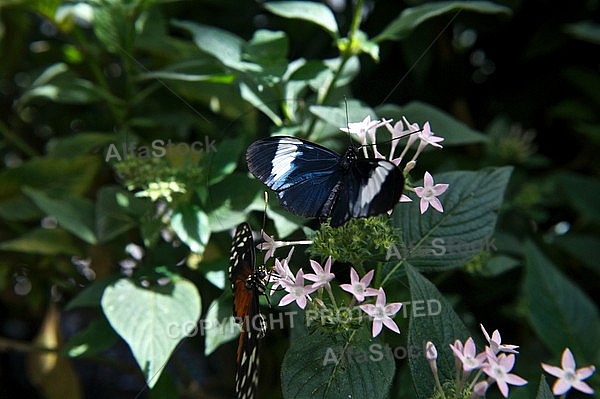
(191, 225)
(263, 98)
(43, 241)
(309, 11)
(151, 320)
(91, 341)
(59, 84)
(76, 175)
(333, 366)
(412, 17)
(440, 241)
(218, 326)
(267, 47)
(439, 324)
(442, 124)
(223, 45)
(90, 296)
(224, 161)
(114, 25)
(78, 144)
(114, 208)
(561, 314)
(226, 207)
(585, 201)
(73, 213)
(585, 247)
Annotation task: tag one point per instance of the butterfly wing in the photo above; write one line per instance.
(370, 187)
(246, 310)
(302, 173)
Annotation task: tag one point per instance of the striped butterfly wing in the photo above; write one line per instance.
(247, 285)
(314, 181)
(302, 173)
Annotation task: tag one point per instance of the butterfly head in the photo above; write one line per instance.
(349, 157)
(257, 279)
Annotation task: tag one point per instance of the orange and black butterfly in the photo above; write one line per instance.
(248, 282)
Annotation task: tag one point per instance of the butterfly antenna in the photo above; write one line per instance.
(265, 213)
(347, 120)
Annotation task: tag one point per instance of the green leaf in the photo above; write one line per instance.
(76, 91)
(412, 17)
(267, 47)
(165, 388)
(585, 247)
(439, 324)
(360, 43)
(499, 264)
(442, 124)
(337, 117)
(59, 84)
(334, 366)
(191, 225)
(442, 241)
(188, 77)
(262, 98)
(544, 391)
(113, 212)
(114, 25)
(584, 201)
(151, 320)
(223, 162)
(588, 31)
(44, 242)
(315, 13)
(218, 326)
(76, 176)
(93, 340)
(561, 314)
(226, 207)
(91, 295)
(78, 144)
(74, 214)
(221, 44)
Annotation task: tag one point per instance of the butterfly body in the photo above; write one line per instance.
(247, 283)
(314, 181)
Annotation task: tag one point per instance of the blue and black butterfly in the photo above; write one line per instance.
(314, 181)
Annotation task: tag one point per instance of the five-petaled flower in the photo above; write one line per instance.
(296, 291)
(360, 288)
(498, 368)
(322, 276)
(568, 376)
(382, 313)
(467, 354)
(429, 193)
(282, 272)
(496, 342)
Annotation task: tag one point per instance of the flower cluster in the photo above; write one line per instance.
(299, 291)
(495, 362)
(365, 131)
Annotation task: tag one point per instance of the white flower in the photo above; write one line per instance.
(429, 192)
